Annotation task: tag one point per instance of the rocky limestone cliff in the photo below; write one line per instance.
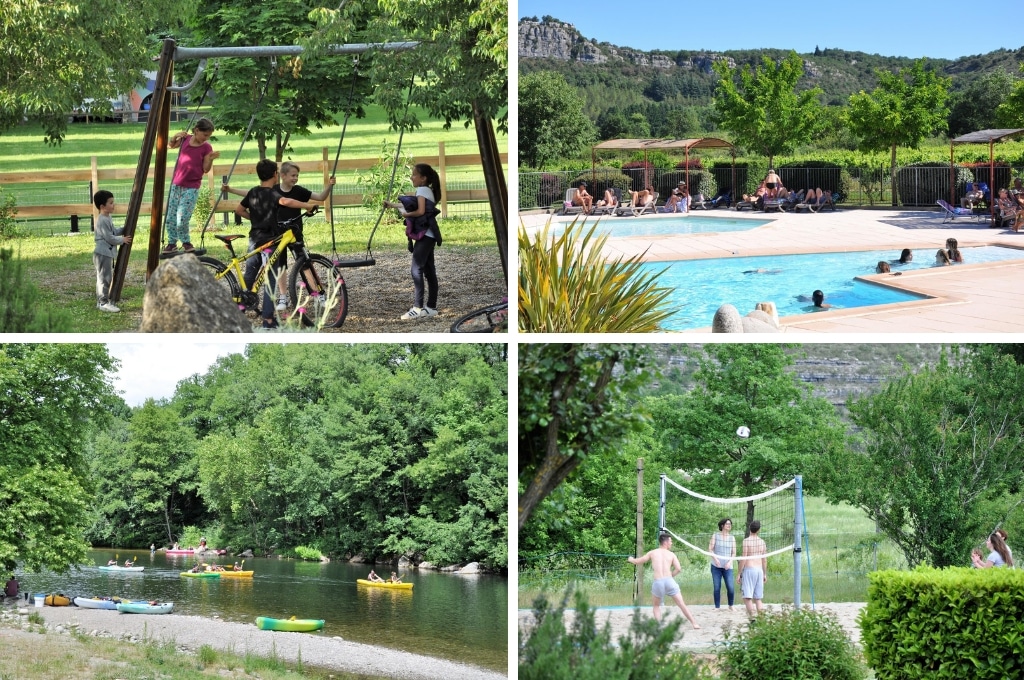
(560, 40)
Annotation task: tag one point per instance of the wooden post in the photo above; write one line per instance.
(494, 178)
(639, 528)
(95, 187)
(441, 172)
(163, 80)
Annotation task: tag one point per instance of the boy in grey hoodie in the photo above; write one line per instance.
(107, 240)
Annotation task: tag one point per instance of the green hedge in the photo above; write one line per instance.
(953, 623)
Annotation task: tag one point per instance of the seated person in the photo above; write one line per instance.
(1006, 208)
(1018, 186)
(373, 577)
(953, 251)
(395, 578)
(642, 197)
(972, 197)
(112, 563)
(810, 198)
(582, 198)
(942, 258)
(754, 200)
(128, 563)
(237, 567)
(674, 203)
(609, 200)
(882, 268)
(681, 191)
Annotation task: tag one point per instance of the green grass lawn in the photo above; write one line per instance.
(843, 548)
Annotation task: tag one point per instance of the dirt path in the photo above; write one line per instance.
(712, 621)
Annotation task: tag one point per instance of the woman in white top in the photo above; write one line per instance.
(428, 191)
(723, 545)
(999, 555)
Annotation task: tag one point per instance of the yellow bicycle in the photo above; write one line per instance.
(316, 287)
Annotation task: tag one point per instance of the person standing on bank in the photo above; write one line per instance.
(723, 545)
(666, 566)
(428, 191)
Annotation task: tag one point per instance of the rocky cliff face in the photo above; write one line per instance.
(560, 40)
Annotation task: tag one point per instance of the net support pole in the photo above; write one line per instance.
(661, 506)
(798, 532)
(639, 528)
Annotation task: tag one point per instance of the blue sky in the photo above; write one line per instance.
(894, 28)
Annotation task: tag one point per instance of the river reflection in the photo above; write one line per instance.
(462, 618)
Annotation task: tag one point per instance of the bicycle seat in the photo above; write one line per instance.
(228, 238)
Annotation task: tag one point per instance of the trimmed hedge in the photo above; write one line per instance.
(953, 624)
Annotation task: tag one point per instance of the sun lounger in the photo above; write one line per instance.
(569, 208)
(609, 209)
(949, 213)
(637, 210)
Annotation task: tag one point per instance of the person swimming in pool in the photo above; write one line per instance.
(942, 258)
(882, 267)
(817, 298)
(953, 250)
(906, 256)
(763, 271)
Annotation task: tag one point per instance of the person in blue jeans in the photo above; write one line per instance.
(723, 545)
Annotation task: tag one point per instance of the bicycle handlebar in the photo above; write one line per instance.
(289, 223)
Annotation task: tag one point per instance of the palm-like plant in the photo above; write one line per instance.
(566, 286)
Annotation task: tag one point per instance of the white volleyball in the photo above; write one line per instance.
(743, 432)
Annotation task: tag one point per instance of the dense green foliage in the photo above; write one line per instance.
(379, 450)
(945, 625)
(586, 652)
(790, 645)
(762, 107)
(58, 54)
(551, 120)
(52, 397)
(932, 448)
(574, 405)
(565, 286)
(20, 311)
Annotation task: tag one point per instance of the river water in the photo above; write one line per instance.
(460, 618)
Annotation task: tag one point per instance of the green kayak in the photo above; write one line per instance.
(293, 624)
(201, 574)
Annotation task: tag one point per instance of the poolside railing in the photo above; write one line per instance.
(864, 186)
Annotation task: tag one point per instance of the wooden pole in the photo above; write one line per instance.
(639, 528)
(163, 78)
(156, 212)
(494, 177)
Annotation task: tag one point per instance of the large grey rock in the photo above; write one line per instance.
(471, 568)
(182, 297)
(727, 320)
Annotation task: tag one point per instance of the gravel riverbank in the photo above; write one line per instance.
(192, 632)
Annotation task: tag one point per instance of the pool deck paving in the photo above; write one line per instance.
(965, 298)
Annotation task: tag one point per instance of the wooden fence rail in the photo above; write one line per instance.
(441, 162)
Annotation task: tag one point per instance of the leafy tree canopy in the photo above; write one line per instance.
(551, 120)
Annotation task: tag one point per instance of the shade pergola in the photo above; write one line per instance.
(989, 137)
(663, 144)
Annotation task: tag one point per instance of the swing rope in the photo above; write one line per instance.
(394, 170)
(337, 155)
(248, 130)
(188, 128)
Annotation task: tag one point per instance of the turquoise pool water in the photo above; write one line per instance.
(702, 286)
(622, 227)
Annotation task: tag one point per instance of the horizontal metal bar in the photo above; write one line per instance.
(182, 53)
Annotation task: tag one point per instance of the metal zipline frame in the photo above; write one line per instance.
(157, 131)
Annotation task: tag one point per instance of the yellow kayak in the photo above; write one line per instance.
(235, 574)
(385, 584)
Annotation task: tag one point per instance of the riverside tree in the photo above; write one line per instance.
(903, 109)
(552, 124)
(933, 448)
(763, 110)
(52, 396)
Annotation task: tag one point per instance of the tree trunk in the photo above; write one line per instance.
(494, 177)
(892, 177)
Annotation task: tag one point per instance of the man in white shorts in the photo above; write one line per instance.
(754, 574)
(666, 566)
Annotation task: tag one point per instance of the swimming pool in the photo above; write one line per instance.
(702, 286)
(622, 227)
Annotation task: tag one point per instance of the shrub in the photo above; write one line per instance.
(600, 179)
(308, 553)
(922, 183)
(565, 286)
(19, 312)
(944, 624)
(204, 206)
(586, 652)
(540, 190)
(8, 211)
(790, 645)
(813, 174)
(697, 182)
(377, 180)
(691, 164)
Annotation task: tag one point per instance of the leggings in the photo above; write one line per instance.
(423, 268)
(717, 574)
(181, 203)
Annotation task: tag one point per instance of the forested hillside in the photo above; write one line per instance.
(672, 90)
(373, 450)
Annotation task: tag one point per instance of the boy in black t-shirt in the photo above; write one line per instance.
(262, 206)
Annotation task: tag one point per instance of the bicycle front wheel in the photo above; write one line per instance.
(486, 320)
(224, 277)
(318, 291)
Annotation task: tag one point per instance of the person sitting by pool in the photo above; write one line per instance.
(953, 251)
(374, 578)
(973, 196)
(684, 195)
(882, 267)
(674, 203)
(905, 256)
(395, 578)
(610, 200)
(581, 198)
(942, 258)
(754, 200)
(641, 198)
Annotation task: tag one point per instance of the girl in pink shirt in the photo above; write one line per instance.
(195, 159)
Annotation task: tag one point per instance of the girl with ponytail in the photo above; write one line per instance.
(420, 213)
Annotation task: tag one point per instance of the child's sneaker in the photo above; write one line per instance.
(429, 311)
(188, 247)
(282, 303)
(169, 250)
(415, 313)
(108, 307)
